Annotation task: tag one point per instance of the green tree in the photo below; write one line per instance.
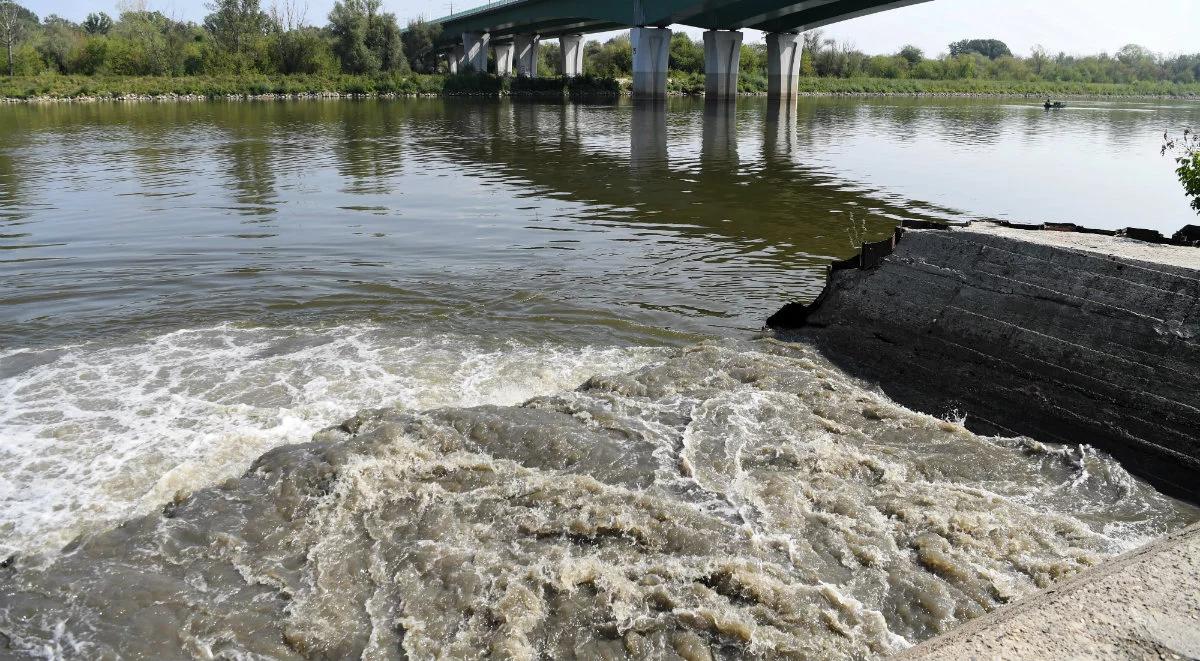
(418, 45)
(16, 23)
(1187, 155)
(912, 55)
(686, 55)
(147, 43)
(549, 59)
(59, 39)
(349, 21)
(383, 38)
(1189, 176)
(613, 59)
(301, 50)
(886, 66)
(812, 45)
(989, 48)
(753, 59)
(97, 24)
(236, 25)
(365, 40)
(294, 48)
(88, 58)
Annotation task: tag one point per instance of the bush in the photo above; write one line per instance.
(301, 51)
(579, 87)
(27, 61)
(475, 84)
(685, 83)
(88, 58)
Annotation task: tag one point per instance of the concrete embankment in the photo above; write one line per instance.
(1065, 337)
(1071, 337)
(1143, 605)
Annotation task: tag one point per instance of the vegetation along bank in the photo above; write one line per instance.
(241, 49)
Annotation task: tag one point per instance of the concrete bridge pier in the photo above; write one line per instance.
(571, 47)
(504, 58)
(784, 50)
(651, 52)
(722, 58)
(454, 59)
(526, 54)
(475, 45)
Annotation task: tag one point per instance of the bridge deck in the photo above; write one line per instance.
(506, 18)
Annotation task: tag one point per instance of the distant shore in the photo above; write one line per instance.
(81, 89)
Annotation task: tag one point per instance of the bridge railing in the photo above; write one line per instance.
(477, 10)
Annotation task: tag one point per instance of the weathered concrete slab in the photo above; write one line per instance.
(1143, 605)
(1064, 337)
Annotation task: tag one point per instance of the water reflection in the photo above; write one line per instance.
(250, 176)
(779, 132)
(547, 219)
(648, 135)
(369, 151)
(719, 138)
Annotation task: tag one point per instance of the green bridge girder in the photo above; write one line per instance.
(551, 18)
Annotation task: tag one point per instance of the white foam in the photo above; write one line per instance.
(102, 432)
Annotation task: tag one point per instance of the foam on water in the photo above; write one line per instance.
(94, 433)
(725, 501)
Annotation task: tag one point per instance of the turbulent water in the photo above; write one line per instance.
(96, 432)
(192, 290)
(726, 501)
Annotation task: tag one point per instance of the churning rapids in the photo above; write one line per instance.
(733, 499)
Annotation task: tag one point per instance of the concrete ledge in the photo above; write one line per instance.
(1067, 337)
(1144, 604)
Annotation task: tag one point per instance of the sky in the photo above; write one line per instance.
(1074, 26)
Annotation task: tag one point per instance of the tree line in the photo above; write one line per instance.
(236, 37)
(991, 59)
(241, 37)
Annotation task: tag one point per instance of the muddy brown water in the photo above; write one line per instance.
(576, 442)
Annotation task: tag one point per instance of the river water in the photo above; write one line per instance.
(184, 287)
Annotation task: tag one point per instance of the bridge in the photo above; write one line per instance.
(514, 28)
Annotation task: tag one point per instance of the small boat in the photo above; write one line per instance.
(1054, 105)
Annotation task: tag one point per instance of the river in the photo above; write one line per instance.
(186, 286)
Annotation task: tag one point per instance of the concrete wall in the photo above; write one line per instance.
(1057, 343)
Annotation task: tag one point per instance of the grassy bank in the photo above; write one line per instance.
(70, 87)
(66, 87)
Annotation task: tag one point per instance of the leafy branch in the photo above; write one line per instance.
(1186, 150)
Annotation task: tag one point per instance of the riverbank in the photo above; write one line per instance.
(190, 88)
